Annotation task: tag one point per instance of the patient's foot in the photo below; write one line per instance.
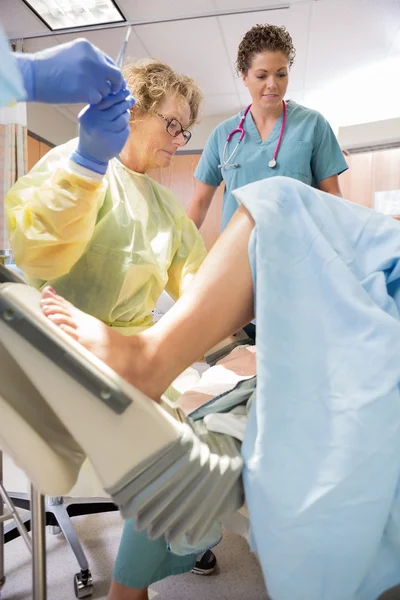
(128, 356)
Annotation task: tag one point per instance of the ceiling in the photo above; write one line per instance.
(337, 41)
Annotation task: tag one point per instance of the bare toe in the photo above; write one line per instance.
(52, 308)
(48, 292)
(60, 319)
(72, 332)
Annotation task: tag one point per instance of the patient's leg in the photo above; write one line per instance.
(217, 304)
(121, 592)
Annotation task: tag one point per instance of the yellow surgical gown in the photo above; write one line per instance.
(110, 247)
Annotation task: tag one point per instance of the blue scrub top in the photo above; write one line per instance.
(309, 152)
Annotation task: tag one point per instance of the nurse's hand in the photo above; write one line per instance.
(69, 73)
(103, 131)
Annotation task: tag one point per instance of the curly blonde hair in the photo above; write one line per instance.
(150, 81)
(261, 38)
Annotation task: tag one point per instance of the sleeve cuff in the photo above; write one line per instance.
(76, 169)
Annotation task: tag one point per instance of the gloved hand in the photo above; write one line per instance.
(103, 131)
(70, 73)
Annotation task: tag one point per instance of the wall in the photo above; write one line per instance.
(53, 124)
(202, 130)
(366, 135)
(50, 123)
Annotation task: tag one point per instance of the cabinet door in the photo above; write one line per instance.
(36, 150)
(178, 177)
(33, 152)
(43, 149)
(386, 170)
(356, 182)
(370, 172)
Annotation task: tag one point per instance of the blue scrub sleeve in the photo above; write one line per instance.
(327, 158)
(207, 169)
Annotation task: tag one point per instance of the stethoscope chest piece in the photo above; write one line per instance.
(272, 163)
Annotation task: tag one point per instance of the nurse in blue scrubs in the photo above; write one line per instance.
(280, 137)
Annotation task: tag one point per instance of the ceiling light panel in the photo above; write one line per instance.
(67, 14)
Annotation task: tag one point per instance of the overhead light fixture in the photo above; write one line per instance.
(67, 14)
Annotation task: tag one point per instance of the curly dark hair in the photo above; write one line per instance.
(261, 38)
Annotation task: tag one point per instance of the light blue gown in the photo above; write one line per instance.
(11, 84)
(322, 448)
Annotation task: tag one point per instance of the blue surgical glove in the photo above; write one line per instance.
(103, 131)
(70, 73)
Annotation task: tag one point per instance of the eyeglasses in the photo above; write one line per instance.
(174, 128)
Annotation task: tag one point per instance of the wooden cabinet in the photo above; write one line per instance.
(386, 170)
(33, 152)
(356, 182)
(178, 177)
(371, 172)
(36, 150)
(43, 149)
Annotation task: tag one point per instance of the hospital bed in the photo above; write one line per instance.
(161, 480)
(55, 512)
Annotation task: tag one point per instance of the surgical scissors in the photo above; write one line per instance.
(121, 56)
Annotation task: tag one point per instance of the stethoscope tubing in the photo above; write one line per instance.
(226, 162)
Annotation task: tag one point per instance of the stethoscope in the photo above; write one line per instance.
(226, 162)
